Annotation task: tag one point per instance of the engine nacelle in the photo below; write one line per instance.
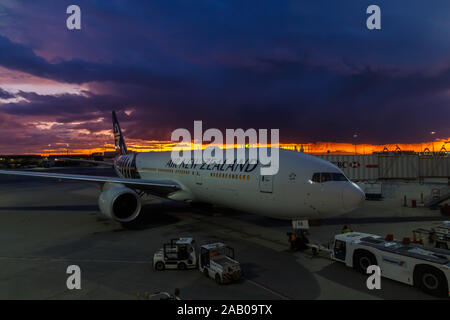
(119, 203)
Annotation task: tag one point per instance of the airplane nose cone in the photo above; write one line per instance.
(353, 196)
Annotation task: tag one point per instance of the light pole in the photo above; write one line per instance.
(354, 137)
(432, 141)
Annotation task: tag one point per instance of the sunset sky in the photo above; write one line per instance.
(309, 68)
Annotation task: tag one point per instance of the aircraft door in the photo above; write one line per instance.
(266, 184)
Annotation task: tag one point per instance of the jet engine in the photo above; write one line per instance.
(119, 203)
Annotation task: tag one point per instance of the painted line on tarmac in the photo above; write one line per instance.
(274, 292)
(48, 259)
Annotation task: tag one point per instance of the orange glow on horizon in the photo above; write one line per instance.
(313, 148)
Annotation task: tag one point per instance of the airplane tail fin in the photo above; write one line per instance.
(119, 142)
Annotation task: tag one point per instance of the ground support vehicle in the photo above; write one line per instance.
(217, 262)
(179, 254)
(403, 261)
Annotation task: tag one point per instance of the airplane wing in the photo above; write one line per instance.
(106, 163)
(161, 188)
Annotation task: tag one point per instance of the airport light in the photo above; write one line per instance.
(432, 142)
(354, 137)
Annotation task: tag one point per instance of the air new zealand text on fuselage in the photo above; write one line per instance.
(224, 167)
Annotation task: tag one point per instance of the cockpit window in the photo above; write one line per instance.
(339, 177)
(322, 177)
(316, 177)
(325, 176)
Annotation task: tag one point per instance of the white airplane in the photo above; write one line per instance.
(305, 187)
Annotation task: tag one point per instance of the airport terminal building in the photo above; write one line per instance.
(411, 179)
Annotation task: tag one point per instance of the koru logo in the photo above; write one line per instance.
(374, 280)
(74, 280)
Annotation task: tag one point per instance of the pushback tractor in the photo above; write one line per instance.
(410, 263)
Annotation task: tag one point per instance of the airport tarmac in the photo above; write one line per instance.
(47, 225)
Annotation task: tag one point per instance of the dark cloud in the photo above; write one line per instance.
(311, 69)
(5, 94)
(16, 56)
(380, 105)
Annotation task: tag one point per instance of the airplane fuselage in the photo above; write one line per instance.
(295, 192)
